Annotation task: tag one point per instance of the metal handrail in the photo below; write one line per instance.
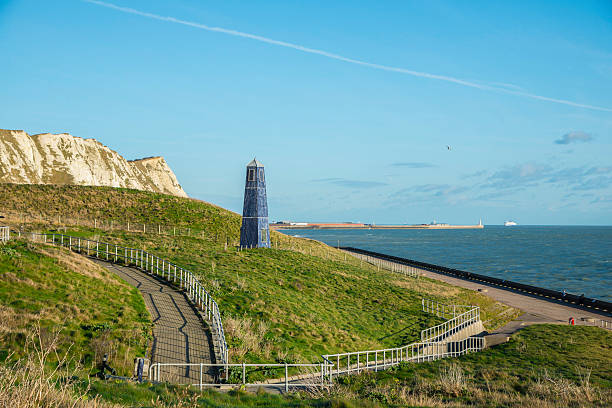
(449, 327)
(434, 344)
(319, 378)
(196, 293)
(442, 310)
(376, 360)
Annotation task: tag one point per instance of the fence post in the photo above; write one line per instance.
(376, 361)
(243, 374)
(200, 376)
(286, 378)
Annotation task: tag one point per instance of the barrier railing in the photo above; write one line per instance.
(442, 310)
(153, 264)
(435, 343)
(5, 234)
(449, 327)
(391, 266)
(376, 360)
(312, 375)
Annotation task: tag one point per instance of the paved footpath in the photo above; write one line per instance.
(179, 334)
(537, 309)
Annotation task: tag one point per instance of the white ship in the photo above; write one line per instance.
(509, 223)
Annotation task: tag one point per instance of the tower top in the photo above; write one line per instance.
(255, 163)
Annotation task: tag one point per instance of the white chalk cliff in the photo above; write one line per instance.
(66, 159)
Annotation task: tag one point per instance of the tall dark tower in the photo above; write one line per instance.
(255, 232)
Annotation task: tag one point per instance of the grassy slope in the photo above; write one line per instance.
(84, 204)
(548, 363)
(289, 304)
(542, 363)
(59, 290)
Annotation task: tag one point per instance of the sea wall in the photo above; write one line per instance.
(581, 300)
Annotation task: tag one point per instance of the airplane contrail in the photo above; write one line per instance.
(345, 59)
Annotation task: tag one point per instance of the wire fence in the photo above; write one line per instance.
(153, 264)
(384, 264)
(114, 224)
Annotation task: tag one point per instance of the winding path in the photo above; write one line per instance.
(179, 333)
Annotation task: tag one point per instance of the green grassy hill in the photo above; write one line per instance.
(289, 304)
(542, 366)
(56, 295)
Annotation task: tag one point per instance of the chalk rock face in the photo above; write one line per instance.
(65, 159)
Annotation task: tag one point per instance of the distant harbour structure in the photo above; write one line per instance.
(255, 230)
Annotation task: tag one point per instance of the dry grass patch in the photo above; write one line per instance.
(28, 382)
(245, 335)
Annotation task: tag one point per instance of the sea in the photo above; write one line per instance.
(577, 259)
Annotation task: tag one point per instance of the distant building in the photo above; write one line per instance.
(255, 231)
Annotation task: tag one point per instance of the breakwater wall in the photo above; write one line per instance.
(534, 290)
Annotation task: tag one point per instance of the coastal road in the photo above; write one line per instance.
(179, 334)
(536, 309)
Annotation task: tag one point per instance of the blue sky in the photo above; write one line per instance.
(353, 128)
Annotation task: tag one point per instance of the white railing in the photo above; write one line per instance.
(449, 327)
(148, 262)
(5, 234)
(312, 375)
(388, 265)
(442, 310)
(376, 360)
(435, 343)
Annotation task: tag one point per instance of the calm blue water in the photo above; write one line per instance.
(575, 259)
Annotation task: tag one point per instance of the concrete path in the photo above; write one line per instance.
(179, 333)
(537, 309)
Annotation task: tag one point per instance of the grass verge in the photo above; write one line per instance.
(542, 366)
(94, 312)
